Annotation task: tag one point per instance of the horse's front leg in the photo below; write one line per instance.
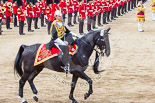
(82, 75)
(74, 81)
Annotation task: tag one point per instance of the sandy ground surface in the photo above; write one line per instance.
(129, 75)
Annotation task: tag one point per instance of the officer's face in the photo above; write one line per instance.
(59, 18)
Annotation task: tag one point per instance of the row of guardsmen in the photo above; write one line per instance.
(95, 10)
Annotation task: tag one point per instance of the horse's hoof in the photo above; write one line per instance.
(25, 102)
(35, 98)
(85, 96)
(74, 101)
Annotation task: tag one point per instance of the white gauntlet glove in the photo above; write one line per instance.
(73, 34)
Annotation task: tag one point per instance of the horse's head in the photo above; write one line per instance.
(103, 41)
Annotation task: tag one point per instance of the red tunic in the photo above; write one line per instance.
(63, 7)
(75, 4)
(29, 11)
(89, 9)
(20, 14)
(8, 11)
(69, 6)
(36, 11)
(81, 10)
(15, 9)
(99, 6)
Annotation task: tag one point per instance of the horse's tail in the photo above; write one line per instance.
(18, 61)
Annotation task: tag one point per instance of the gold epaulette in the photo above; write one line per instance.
(28, 6)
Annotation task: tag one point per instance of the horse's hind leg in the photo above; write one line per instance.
(30, 80)
(22, 81)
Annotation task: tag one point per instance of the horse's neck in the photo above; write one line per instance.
(87, 46)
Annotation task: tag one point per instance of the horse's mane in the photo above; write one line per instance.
(90, 33)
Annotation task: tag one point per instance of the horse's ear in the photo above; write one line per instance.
(108, 29)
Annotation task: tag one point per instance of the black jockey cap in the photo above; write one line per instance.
(34, 1)
(19, 3)
(57, 1)
(48, 2)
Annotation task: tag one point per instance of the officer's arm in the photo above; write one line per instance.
(54, 33)
(68, 31)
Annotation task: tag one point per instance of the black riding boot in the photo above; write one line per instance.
(50, 44)
(65, 56)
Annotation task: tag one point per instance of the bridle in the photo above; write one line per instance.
(99, 40)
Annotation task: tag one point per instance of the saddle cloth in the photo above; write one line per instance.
(44, 54)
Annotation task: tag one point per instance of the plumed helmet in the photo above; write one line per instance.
(58, 13)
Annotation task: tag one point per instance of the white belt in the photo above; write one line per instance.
(91, 10)
(77, 6)
(40, 6)
(101, 6)
(98, 3)
(22, 15)
(82, 11)
(37, 11)
(30, 11)
(70, 7)
(64, 8)
(43, 8)
(106, 6)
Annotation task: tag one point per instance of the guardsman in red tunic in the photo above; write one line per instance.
(105, 10)
(36, 12)
(109, 11)
(89, 9)
(29, 14)
(95, 13)
(15, 12)
(82, 16)
(129, 5)
(21, 17)
(75, 4)
(112, 11)
(42, 12)
(100, 10)
(8, 5)
(48, 14)
(63, 8)
(2, 10)
(70, 11)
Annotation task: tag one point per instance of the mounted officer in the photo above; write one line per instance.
(61, 37)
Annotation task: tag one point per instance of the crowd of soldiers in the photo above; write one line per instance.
(95, 11)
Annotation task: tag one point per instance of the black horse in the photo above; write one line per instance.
(78, 62)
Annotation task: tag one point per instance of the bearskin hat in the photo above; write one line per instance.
(14, 1)
(34, 1)
(28, 1)
(4, 1)
(19, 3)
(57, 1)
(48, 2)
